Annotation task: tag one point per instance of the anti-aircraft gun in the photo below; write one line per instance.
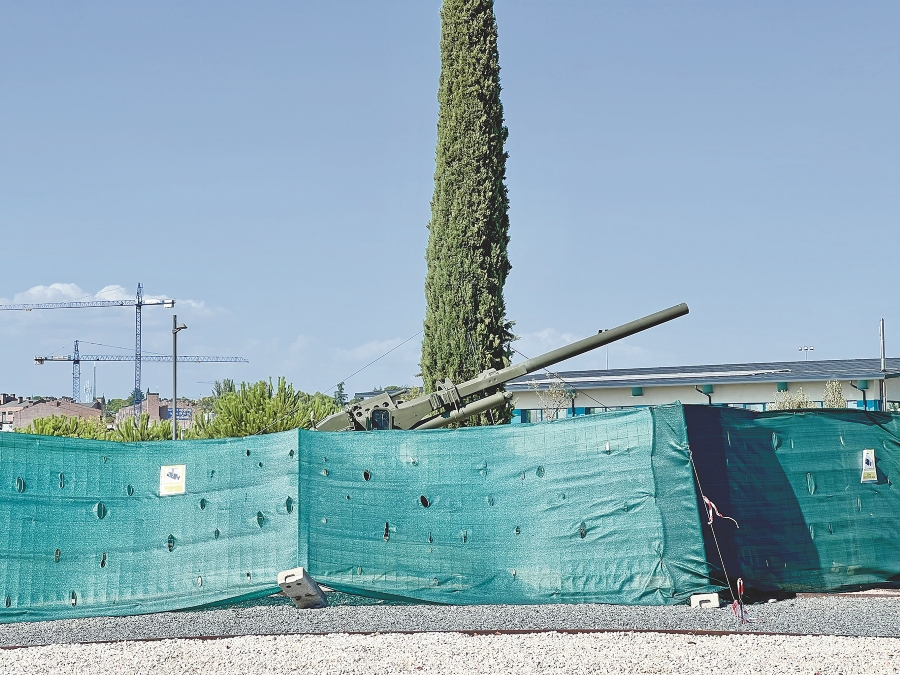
(455, 402)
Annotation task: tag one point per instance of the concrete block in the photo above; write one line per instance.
(705, 600)
(303, 591)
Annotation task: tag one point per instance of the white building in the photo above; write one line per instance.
(742, 385)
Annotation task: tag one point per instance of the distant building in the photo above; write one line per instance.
(10, 406)
(160, 409)
(740, 385)
(363, 395)
(48, 408)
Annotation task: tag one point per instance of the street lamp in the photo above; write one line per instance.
(806, 351)
(175, 328)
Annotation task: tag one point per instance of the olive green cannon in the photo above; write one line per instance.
(455, 402)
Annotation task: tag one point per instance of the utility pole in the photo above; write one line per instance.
(882, 389)
(175, 329)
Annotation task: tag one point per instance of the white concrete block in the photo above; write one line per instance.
(705, 600)
(303, 591)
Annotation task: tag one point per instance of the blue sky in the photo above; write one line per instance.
(270, 166)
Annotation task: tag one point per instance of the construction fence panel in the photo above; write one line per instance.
(809, 519)
(599, 508)
(102, 528)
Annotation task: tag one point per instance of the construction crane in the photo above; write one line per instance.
(137, 303)
(76, 358)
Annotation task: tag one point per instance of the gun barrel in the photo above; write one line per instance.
(492, 379)
(587, 344)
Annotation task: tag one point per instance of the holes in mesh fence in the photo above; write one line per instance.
(430, 538)
(199, 581)
(170, 542)
(129, 490)
(518, 530)
(289, 505)
(62, 481)
(490, 500)
(100, 510)
(216, 533)
(8, 601)
(291, 453)
(56, 556)
(540, 472)
(366, 475)
(20, 484)
(248, 452)
(249, 577)
(324, 472)
(465, 536)
(259, 465)
(582, 530)
(103, 560)
(387, 531)
(260, 518)
(74, 598)
(423, 500)
(202, 504)
(348, 497)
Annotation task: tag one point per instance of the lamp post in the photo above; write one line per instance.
(175, 328)
(806, 351)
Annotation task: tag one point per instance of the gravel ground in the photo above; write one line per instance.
(826, 615)
(461, 653)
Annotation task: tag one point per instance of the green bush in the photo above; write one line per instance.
(128, 430)
(257, 408)
(62, 425)
(131, 429)
(262, 408)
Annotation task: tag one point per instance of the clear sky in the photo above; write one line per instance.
(270, 166)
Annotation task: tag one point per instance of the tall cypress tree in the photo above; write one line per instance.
(466, 330)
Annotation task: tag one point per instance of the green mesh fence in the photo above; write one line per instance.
(792, 480)
(594, 509)
(591, 509)
(85, 532)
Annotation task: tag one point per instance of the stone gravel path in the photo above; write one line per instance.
(460, 653)
(825, 615)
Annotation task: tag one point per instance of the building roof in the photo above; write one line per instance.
(378, 392)
(728, 373)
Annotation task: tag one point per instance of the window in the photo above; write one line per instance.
(381, 419)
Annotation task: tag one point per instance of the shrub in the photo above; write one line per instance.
(785, 400)
(261, 408)
(834, 395)
(63, 425)
(129, 430)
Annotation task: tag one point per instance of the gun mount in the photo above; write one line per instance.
(455, 402)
